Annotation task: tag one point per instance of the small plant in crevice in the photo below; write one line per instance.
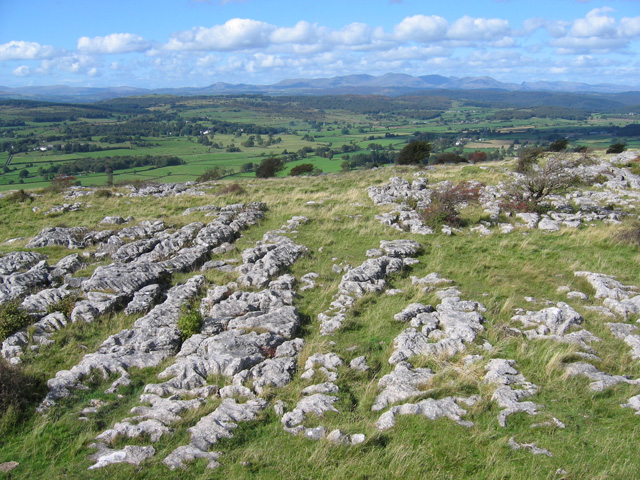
(12, 319)
(190, 322)
(65, 306)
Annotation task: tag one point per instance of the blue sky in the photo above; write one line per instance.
(179, 43)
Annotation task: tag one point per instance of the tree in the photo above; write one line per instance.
(527, 158)
(477, 156)
(618, 147)
(62, 182)
(528, 190)
(559, 145)
(414, 153)
(302, 169)
(269, 167)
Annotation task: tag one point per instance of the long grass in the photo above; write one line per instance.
(600, 437)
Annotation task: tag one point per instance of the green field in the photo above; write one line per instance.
(293, 128)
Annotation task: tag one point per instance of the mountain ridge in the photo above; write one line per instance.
(389, 84)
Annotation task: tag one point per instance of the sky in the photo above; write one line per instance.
(195, 43)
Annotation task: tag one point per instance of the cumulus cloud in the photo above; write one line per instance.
(630, 27)
(19, 50)
(302, 32)
(598, 31)
(22, 71)
(596, 24)
(421, 28)
(114, 43)
(235, 34)
(468, 28)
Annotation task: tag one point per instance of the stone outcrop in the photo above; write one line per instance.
(511, 388)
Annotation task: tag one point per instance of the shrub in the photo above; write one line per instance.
(12, 319)
(449, 157)
(19, 196)
(559, 145)
(477, 156)
(62, 182)
(269, 167)
(103, 193)
(302, 169)
(528, 158)
(190, 322)
(16, 388)
(445, 202)
(631, 235)
(616, 148)
(233, 189)
(214, 173)
(414, 153)
(526, 193)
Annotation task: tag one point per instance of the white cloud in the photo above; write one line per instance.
(302, 32)
(208, 61)
(22, 71)
(467, 28)
(421, 28)
(114, 43)
(630, 27)
(235, 34)
(73, 63)
(504, 42)
(19, 50)
(352, 34)
(595, 24)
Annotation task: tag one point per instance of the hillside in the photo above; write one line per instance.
(321, 327)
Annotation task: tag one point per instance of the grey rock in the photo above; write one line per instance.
(326, 387)
(267, 259)
(317, 404)
(511, 388)
(132, 454)
(606, 286)
(432, 409)
(284, 321)
(13, 262)
(359, 363)
(548, 225)
(14, 346)
(600, 380)
(412, 311)
(19, 284)
(39, 303)
(444, 332)
(432, 280)
(125, 278)
(153, 338)
(144, 299)
(226, 354)
(212, 428)
(112, 221)
(271, 373)
(529, 446)
(401, 384)
(71, 237)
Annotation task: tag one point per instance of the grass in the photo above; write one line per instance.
(498, 270)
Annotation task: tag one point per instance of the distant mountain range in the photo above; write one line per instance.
(390, 84)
